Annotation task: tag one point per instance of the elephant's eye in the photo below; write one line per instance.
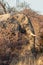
(22, 30)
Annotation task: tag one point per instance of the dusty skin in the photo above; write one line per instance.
(20, 42)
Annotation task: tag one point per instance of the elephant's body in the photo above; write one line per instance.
(19, 36)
